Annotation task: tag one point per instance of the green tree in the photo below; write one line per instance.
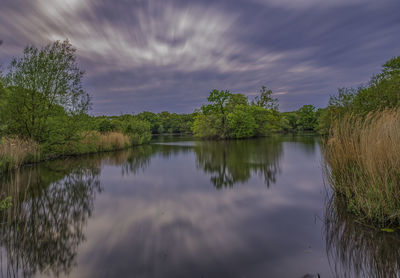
(267, 120)
(40, 82)
(218, 100)
(206, 126)
(266, 100)
(235, 100)
(307, 119)
(241, 123)
(138, 131)
(153, 119)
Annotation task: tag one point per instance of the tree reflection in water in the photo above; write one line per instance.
(41, 232)
(357, 251)
(52, 202)
(231, 162)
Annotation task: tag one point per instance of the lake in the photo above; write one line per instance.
(185, 208)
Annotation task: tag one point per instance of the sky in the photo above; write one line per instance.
(159, 55)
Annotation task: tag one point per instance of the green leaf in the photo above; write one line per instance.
(387, 230)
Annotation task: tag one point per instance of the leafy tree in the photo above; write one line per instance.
(291, 120)
(218, 100)
(241, 123)
(230, 116)
(391, 68)
(153, 119)
(307, 119)
(267, 120)
(383, 91)
(138, 131)
(266, 100)
(207, 126)
(40, 82)
(235, 100)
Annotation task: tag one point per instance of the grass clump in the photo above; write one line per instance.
(363, 159)
(100, 142)
(15, 151)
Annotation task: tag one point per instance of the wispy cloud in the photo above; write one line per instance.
(167, 55)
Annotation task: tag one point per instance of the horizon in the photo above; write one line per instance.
(168, 55)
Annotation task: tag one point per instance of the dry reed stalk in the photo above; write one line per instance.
(363, 155)
(106, 141)
(15, 151)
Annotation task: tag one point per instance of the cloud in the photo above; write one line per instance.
(305, 4)
(167, 55)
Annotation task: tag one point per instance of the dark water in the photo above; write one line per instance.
(184, 208)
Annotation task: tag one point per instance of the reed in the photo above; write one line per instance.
(99, 142)
(363, 165)
(15, 151)
(113, 141)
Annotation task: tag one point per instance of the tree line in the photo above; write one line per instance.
(43, 102)
(42, 99)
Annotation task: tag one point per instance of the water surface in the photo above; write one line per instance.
(185, 208)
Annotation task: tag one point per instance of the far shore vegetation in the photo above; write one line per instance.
(44, 114)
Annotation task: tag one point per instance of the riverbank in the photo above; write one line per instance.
(16, 152)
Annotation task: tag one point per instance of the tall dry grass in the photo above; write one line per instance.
(15, 151)
(113, 141)
(99, 142)
(363, 159)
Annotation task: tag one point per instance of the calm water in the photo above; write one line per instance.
(184, 208)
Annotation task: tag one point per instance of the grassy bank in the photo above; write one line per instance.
(15, 152)
(362, 155)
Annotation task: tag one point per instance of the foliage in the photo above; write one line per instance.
(266, 100)
(235, 100)
(105, 125)
(6, 203)
(241, 123)
(267, 120)
(206, 126)
(43, 111)
(3, 108)
(382, 92)
(138, 131)
(306, 118)
(41, 82)
(174, 123)
(154, 120)
(231, 116)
